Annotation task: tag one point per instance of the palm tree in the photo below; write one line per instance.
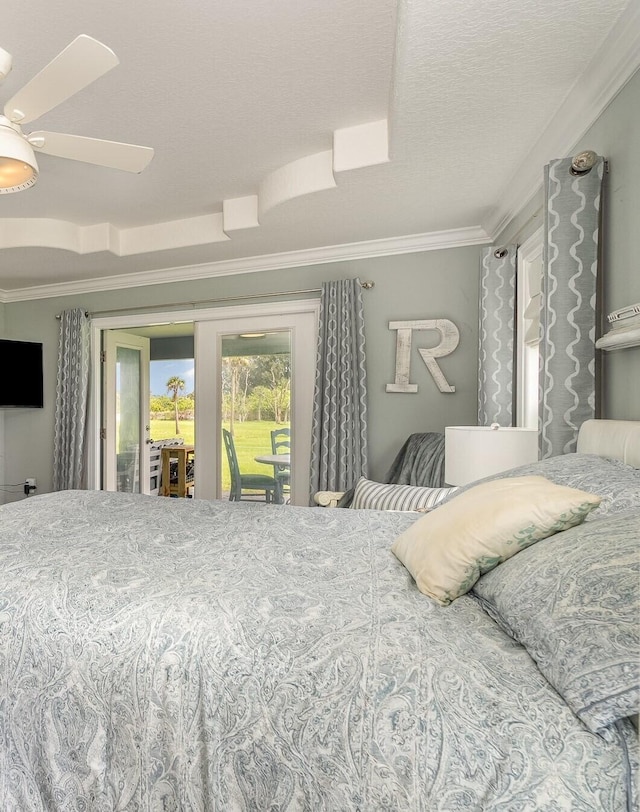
(174, 385)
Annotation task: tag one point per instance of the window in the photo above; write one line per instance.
(529, 277)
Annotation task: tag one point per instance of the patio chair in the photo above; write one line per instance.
(246, 485)
(281, 444)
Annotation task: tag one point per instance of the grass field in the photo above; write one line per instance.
(251, 438)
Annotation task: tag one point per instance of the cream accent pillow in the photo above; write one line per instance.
(446, 551)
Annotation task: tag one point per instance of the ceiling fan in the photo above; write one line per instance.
(83, 61)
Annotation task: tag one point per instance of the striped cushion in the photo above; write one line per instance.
(377, 496)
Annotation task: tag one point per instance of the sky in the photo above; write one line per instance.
(161, 371)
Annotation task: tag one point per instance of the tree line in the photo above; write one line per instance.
(254, 387)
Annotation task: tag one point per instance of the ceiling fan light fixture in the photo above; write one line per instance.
(5, 63)
(18, 165)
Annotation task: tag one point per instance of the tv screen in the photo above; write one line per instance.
(21, 376)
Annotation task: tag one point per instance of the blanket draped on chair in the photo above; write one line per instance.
(419, 462)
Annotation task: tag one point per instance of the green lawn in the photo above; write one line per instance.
(251, 438)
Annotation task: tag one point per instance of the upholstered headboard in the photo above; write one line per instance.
(619, 439)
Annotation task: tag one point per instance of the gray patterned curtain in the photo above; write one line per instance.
(339, 433)
(568, 304)
(71, 400)
(496, 336)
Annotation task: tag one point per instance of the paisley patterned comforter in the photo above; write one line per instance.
(166, 654)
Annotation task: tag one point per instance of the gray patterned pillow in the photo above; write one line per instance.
(573, 601)
(378, 496)
(617, 484)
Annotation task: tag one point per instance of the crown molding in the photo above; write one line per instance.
(610, 69)
(413, 243)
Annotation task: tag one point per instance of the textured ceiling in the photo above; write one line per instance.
(228, 93)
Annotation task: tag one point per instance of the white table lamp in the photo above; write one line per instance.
(475, 452)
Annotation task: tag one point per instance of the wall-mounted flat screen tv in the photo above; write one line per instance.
(20, 374)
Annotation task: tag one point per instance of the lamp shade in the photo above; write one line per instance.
(475, 452)
(18, 166)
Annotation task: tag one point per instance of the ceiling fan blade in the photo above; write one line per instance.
(83, 61)
(129, 157)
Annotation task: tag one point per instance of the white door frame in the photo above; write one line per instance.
(253, 311)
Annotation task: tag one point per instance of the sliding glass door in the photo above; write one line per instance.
(243, 382)
(256, 409)
(126, 412)
(255, 376)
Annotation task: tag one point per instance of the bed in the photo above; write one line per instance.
(187, 655)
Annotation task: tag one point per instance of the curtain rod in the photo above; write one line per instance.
(242, 296)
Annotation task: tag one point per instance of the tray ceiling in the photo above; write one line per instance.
(283, 127)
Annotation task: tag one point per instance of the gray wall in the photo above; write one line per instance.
(616, 136)
(435, 284)
(163, 349)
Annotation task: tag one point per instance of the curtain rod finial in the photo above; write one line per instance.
(368, 285)
(583, 162)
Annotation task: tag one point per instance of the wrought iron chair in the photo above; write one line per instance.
(241, 483)
(281, 444)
